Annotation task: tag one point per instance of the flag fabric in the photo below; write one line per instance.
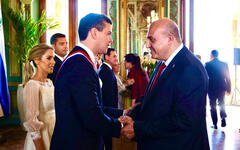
(4, 94)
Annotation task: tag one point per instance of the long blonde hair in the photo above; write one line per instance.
(37, 52)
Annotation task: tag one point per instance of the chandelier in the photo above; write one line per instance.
(152, 18)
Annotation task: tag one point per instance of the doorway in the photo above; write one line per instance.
(213, 29)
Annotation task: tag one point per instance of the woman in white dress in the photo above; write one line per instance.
(38, 94)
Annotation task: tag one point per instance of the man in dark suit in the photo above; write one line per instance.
(172, 114)
(109, 86)
(59, 44)
(219, 83)
(81, 120)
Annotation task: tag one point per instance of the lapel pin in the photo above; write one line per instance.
(173, 65)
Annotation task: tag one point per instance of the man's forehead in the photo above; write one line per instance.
(112, 52)
(156, 30)
(108, 26)
(61, 39)
(106, 23)
(150, 32)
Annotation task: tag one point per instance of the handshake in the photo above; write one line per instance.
(127, 122)
(127, 126)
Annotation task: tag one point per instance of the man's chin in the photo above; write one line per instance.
(102, 52)
(153, 56)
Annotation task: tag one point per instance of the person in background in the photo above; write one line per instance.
(59, 44)
(109, 86)
(219, 84)
(121, 86)
(38, 94)
(98, 60)
(173, 111)
(133, 64)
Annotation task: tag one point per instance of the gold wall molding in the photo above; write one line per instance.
(123, 34)
(161, 8)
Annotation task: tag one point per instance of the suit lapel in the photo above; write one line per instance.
(169, 69)
(57, 59)
(110, 70)
(164, 76)
(107, 68)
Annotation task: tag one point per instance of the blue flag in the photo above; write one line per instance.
(4, 94)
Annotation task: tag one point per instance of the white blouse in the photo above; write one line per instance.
(39, 101)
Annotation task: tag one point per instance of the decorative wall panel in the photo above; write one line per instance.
(113, 13)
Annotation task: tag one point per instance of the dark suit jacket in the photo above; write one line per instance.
(172, 115)
(219, 79)
(57, 65)
(109, 87)
(80, 118)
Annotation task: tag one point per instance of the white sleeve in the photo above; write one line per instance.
(32, 97)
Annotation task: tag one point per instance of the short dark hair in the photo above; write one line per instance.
(214, 53)
(54, 37)
(90, 21)
(135, 61)
(130, 58)
(108, 52)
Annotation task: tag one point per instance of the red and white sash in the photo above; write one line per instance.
(79, 52)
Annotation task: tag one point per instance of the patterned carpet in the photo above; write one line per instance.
(12, 138)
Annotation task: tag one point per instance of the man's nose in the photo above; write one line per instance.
(66, 45)
(53, 61)
(110, 40)
(148, 44)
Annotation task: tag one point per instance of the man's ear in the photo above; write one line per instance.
(93, 33)
(53, 46)
(106, 57)
(171, 37)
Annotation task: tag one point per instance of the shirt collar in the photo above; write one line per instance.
(167, 62)
(108, 65)
(61, 58)
(89, 52)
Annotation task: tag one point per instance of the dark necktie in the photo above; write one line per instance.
(158, 75)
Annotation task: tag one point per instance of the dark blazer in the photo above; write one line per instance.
(172, 115)
(57, 65)
(81, 120)
(109, 87)
(219, 79)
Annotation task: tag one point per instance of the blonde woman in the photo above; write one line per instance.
(38, 94)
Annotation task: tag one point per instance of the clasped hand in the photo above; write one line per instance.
(127, 129)
(127, 122)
